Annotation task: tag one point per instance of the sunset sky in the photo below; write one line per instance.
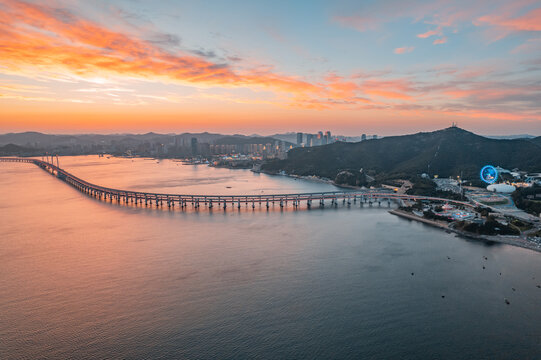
(385, 67)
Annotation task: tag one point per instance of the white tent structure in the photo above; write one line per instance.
(501, 188)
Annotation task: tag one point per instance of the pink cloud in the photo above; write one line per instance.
(430, 33)
(404, 50)
(529, 22)
(530, 45)
(443, 40)
(504, 24)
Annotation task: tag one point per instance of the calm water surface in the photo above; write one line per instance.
(80, 278)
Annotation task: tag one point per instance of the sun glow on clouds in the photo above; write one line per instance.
(69, 59)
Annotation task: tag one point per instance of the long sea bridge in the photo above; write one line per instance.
(368, 197)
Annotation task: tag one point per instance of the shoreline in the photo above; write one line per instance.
(314, 179)
(508, 240)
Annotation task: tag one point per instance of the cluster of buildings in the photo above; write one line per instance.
(267, 150)
(309, 140)
(276, 149)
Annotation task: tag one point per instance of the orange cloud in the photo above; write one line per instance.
(400, 89)
(531, 21)
(403, 50)
(36, 39)
(41, 42)
(85, 49)
(429, 33)
(388, 94)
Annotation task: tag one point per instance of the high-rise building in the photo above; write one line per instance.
(299, 138)
(319, 138)
(309, 140)
(328, 137)
(374, 137)
(363, 137)
(194, 146)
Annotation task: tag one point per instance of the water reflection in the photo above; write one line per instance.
(82, 278)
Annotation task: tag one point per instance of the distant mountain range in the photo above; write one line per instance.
(40, 140)
(45, 141)
(448, 152)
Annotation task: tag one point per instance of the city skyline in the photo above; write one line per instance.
(387, 68)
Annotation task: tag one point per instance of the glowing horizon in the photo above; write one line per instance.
(386, 68)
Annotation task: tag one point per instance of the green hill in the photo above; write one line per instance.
(536, 140)
(12, 149)
(447, 152)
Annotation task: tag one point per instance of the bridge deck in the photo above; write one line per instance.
(127, 196)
